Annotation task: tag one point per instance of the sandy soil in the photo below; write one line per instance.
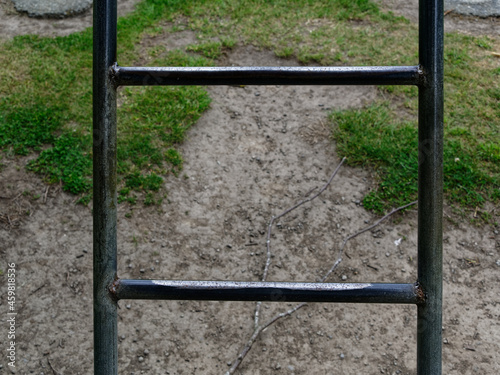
(254, 153)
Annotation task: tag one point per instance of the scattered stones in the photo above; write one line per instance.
(481, 8)
(52, 8)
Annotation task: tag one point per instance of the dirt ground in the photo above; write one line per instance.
(257, 151)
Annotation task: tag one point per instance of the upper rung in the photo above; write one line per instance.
(207, 76)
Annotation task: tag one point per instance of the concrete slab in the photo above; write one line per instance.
(481, 8)
(52, 8)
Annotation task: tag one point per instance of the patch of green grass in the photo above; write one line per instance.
(212, 49)
(320, 31)
(68, 161)
(28, 128)
(46, 107)
(374, 137)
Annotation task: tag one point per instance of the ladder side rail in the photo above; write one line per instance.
(430, 187)
(104, 188)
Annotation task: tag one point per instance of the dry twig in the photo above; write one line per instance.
(258, 329)
(269, 230)
(350, 237)
(52, 367)
(45, 195)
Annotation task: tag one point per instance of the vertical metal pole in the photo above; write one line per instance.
(104, 205)
(430, 186)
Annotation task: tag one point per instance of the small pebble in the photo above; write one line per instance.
(141, 359)
(142, 270)
(342, 356)
(146, 351)
(387, 254)
(128, 306)
(344, 277)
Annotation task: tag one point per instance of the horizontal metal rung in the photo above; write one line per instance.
(207, 76)
(267, 291)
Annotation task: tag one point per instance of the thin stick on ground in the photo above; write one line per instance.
(256, 334)
(366, 229)
(269, 230)
(52, 367)
(258, 329)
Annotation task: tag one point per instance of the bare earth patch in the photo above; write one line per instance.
(257, 151)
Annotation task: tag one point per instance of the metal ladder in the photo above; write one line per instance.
(426, 292)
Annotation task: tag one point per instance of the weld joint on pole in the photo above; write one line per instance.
(113, 74)
(113, 289)
(422, 80)
(421, 295)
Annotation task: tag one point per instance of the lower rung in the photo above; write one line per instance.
(268, 291)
